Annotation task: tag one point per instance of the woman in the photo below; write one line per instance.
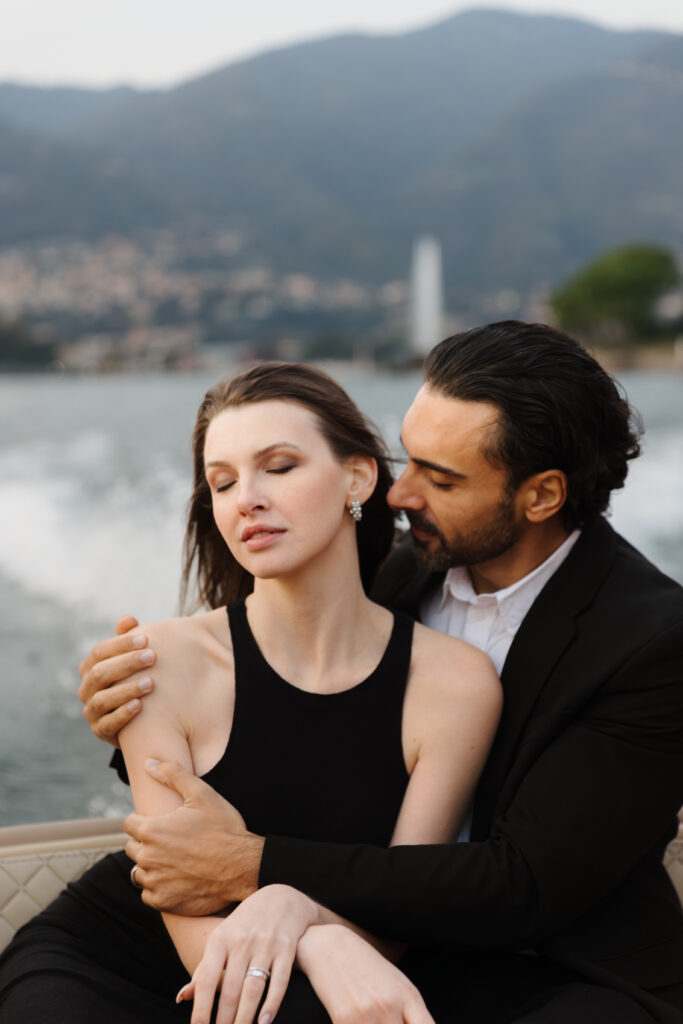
(312, 709)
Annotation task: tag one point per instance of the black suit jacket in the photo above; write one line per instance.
(578, 798)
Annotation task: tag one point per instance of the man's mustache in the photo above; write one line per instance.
(420, 522)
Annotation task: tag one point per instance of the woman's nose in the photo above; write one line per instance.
(250, 498)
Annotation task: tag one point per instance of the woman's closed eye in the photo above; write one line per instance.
(219, 488)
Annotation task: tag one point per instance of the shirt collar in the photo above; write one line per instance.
(513, 601)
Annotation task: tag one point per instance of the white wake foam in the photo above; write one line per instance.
(80, 530)
(648, 510)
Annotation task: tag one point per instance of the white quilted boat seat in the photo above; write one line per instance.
(37, 861)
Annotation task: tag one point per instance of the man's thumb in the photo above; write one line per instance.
(173, 775)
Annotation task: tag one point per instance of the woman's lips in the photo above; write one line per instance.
(256, 540)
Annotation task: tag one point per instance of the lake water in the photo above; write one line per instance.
(94, 477)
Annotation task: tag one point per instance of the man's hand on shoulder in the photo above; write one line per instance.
(110, 699)
(198, 858)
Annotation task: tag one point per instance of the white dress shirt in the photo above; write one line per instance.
(488, 621)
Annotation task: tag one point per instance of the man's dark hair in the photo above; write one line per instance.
(559, 409)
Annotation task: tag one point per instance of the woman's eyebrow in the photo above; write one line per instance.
(278, 444)
(257, 455)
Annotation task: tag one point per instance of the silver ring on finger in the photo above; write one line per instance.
(133, 878)
(258, 972)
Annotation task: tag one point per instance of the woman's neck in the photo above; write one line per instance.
(319, 630)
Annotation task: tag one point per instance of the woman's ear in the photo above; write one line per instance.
(544, 495)
(363, 477)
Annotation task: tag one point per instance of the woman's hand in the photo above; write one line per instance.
(264, 932)
(355, 983)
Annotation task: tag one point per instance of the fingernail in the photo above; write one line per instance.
(147, 657)
(181, 994)
(151, 763)
(265, 1018)
(138, 640)
(133, 705)
(145, 685)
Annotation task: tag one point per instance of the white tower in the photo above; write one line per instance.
(426, 296)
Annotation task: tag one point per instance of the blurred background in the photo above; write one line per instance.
(301, 181)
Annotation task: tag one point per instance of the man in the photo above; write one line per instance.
(558, 907)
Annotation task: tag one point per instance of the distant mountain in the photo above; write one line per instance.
(348, 111)
(309, 143)
(53, 188)
(526, 143)
(589, 163)
(54, 111)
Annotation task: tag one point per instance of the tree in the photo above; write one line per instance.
(614, 297)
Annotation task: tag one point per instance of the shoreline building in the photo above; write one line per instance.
(426, 296)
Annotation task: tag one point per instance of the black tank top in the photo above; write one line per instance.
(311, 765)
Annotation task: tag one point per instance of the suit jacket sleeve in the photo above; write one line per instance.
(567, 836)
(119, 765)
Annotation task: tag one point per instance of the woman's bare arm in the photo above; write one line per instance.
(162, 734)
(452, 708)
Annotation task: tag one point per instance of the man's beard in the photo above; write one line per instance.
(491, 538)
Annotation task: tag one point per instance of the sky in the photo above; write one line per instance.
(158, 43)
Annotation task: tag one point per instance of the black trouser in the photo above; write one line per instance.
(50, 997)
(458, 989)
(512, 988)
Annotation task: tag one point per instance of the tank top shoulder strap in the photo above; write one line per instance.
(392, 671)
(246, 652)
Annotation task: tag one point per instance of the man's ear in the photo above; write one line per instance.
(363, 477)
(544, 494)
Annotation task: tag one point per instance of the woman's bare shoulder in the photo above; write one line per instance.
(188, 628)
(446, 663)
(187, 646)
(430, 643)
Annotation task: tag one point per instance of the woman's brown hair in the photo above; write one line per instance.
(219, 577)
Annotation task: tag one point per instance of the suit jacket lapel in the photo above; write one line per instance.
(411, 590)
(545, 633)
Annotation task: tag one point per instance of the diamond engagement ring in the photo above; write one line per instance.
(258, 972)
